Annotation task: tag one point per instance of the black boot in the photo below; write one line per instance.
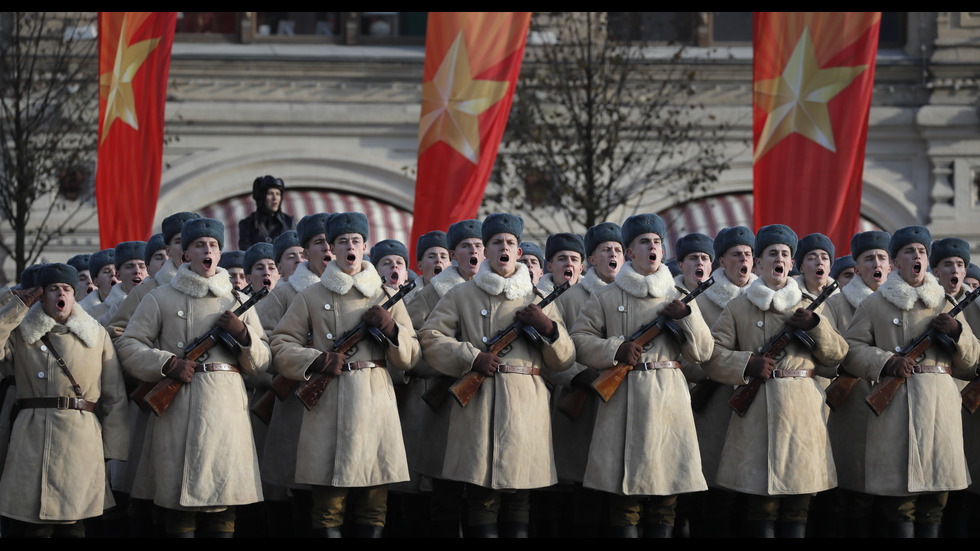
(762, 529)
(483, 531)
(924, 530)
(792, 530)
(369, 531)
(445, 529)
(657, 530)
(332, 532)
(623, 532)
(901, 530)
(513, 530)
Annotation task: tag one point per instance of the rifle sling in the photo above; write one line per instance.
(64, 365)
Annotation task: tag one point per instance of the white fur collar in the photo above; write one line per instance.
(116, 295)
(856, 291)
(302, 277)
(723, 290)
(592, 282)
(516, 286)
(903, 296)
(367, 281)
(92, 299)
(37, 324)
(446, 280)
(782, 300)
(658, 284)
(194, 285)
(546, 284)
(165, 274)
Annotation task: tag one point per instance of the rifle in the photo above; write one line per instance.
(742, 397)
(839, 389)
(884, 391)
(609, 379)
(158, 398)
(465, 388)
(280, 388)
(311, 391)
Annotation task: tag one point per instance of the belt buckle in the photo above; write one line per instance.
(349, 366)
(63, 402)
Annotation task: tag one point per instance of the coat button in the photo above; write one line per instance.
(759, 323)
(483, 312)
(180, 313)
(329, 335)
(760, 350)
(898, 349)
(40, 374)
(326, 306)
(180, 344)
(485, 339)
(895, 321)
(622, 308)
(44, 348)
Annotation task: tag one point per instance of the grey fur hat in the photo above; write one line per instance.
(814, 241)
(258, 252)
(731, 237)
(175, 222)
(347, 222)
(775, 234)
(865, 241)
(642, 223)
(156, 243)
(129, 250)
(564, 242)
(695, 243)
(973, 271)
(311, 226)
(29, 277)
(502, 222)
(388, 247)
(600, 233)
(197, 228)
(428, 240)
(462, 230)
(907, 235)
(100, 259)
(840, 264)
(950, 246)
(531, 248)
(286, 240)
(80, 262)
(232, 259)
(57, 273)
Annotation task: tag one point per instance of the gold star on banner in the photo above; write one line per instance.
(117, 85)
(797, 100)
(452, 101)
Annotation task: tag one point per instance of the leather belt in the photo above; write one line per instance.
(353, 366)
(207, 368)
(788, 373)
(522, 369)
(57, 402)
(932, 369)
(650, 366)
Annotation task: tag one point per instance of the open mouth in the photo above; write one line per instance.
(61, 304)
(653, 258)
(327, 259)
(504, 258)
(743, 270)
(113, 283)
(438, 270)
(877, 275)
(90, 288)
(568, 274)
(613, 264)
(137, 280)
(820, 272)
(351, 258)
(779, 270)
(954, 281)
(699, 273)
(267, 282)
(917, 268)
(394, 277)
(208, 262)
(473, 261)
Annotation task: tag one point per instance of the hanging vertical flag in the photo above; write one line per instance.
(812, 80)
(472, 61)
(134, 61)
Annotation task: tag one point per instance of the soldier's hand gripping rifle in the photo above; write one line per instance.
(161, 393)
(311, 391)
(609, 379)
(465, 388)
(885, 390)
(742, 397)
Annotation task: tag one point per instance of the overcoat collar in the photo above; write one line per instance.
(658, 284)
(903, 296)
(37, 324)
(367, 281)
(782, 300)
(513, 287)
(195, 285)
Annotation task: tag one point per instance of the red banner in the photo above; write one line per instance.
(472, 61)
(134, 61)
(812, 80)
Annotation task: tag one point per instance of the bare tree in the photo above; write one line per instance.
(48, 127)
(599, 125)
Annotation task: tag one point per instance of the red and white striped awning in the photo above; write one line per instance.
(710, 214)
(385, 221)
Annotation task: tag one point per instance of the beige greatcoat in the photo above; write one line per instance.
(502, 438)
(199, 454)
(55, 470)
(644, 441)
(916, 444)
(351, 438)
(781, 445)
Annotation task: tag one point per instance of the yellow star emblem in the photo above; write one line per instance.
(797, 100)
(117, 85)
(452, 101)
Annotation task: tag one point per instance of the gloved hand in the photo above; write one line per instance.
(28, 296)
(376, 316)
(803, 319)
(179, 369)
(899, 366)
(676, 310)
(629, 353)
(760, 366)
(234, 326)
(534, 316)
(944, 323)
(329, 363)
(486, 364)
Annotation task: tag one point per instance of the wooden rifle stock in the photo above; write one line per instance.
(158, 398)
(744, 395)
(280, 389)
(971, 395)
(839, 389)
(702, 393)
(884, 391)
(465, 388)
(436, 396)
(311, 390)
(609, 379)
